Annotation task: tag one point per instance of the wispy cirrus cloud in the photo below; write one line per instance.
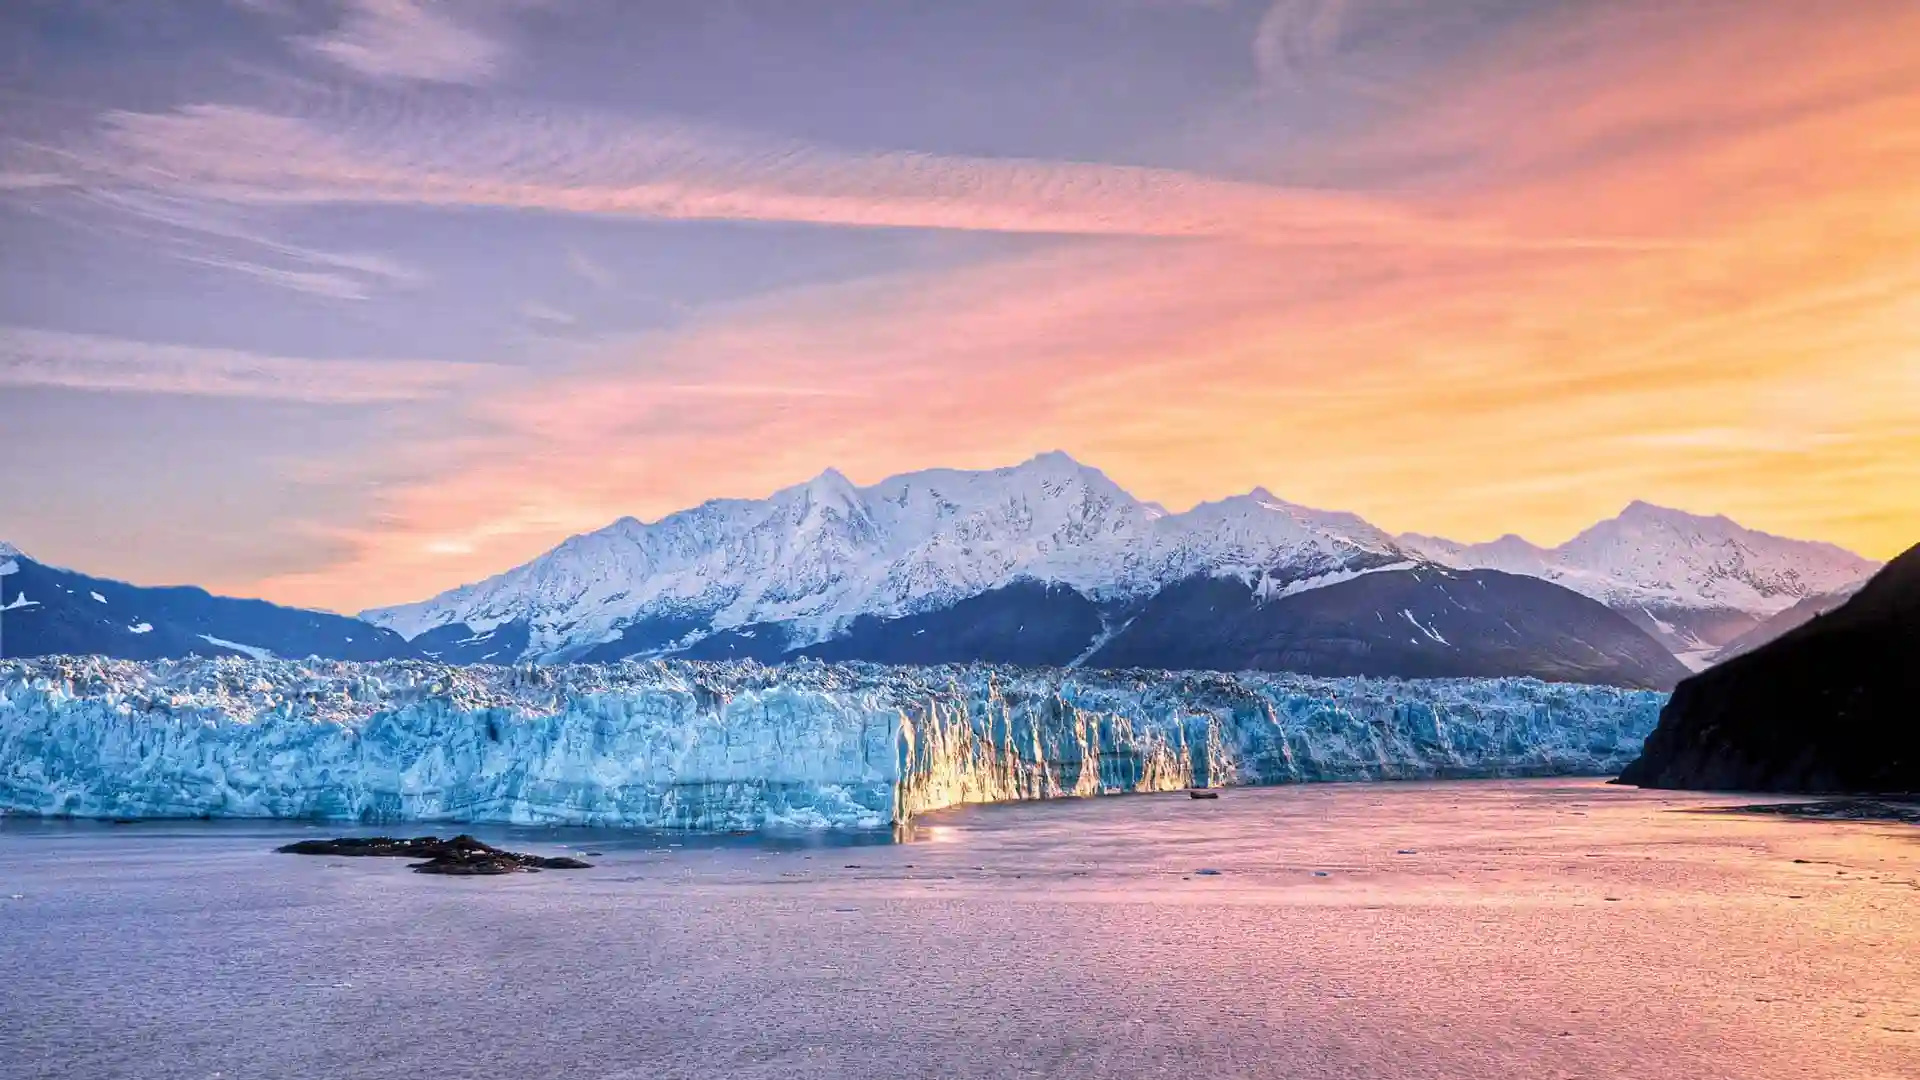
(409, 39)
(31, 357)
(591, 270)
(1295, 39)
(547, 313)
(359, 148)
(214, 233)
(32, 181)
(311, 282)
(219, 235)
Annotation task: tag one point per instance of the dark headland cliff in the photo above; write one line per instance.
(1832, 706)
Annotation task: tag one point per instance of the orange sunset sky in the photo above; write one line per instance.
(344, 306)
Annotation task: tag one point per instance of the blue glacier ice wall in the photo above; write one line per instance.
(739, 745)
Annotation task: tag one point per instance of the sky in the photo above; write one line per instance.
(345, 302)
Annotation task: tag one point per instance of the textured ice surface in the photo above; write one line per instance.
(739, 746)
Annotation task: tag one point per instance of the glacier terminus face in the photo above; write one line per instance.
(724, 746)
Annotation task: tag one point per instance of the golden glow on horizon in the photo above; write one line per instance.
(1707, 296)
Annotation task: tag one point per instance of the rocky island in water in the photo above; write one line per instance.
(462, 856)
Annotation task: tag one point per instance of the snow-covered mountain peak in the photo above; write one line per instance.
(8, 551)
(1651, 556)
(1274, 514)
(1639, 511)
(831, 486)
(1263, 540)
(1058, 460)
(1713, 559)
(1643, 508)
(1643, 519)
(829, 503)
(1056, 468)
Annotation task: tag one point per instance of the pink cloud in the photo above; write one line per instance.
(409, 39)
(374, 149)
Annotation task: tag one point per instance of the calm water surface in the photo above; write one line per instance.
(1534, 929)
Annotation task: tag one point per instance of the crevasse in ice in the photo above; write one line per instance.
(738, 745)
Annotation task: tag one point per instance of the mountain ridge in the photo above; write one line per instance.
(813, 557)
(821, 553)
(49, 610)
(1695, 582)
(1049, 563)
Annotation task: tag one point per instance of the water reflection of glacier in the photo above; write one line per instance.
(741, 746)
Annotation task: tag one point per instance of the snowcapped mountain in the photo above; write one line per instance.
(1047, 562)
(1695, 583)
(1051, 562)
(814, 557)
(1273, 545)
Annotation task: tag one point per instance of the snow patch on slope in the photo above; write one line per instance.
(1425, 629)
(254, 651)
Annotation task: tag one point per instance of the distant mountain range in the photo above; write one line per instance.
(1695, 583)
(1050, 562)
(47, 610)
(808, 563)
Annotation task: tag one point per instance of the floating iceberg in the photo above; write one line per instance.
(672, 744)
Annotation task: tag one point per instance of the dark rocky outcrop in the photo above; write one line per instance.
(1905, 810)
(1027, 623)
(1831, 706)
(462, 855)
(459, 643)
(1424, 622)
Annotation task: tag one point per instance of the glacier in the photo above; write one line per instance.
(738, 745)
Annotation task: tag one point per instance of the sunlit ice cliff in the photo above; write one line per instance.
(722, 746)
